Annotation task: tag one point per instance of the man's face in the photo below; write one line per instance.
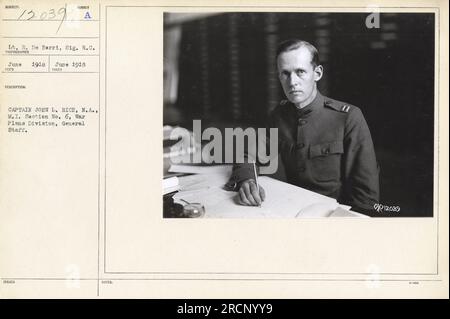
(297, 75)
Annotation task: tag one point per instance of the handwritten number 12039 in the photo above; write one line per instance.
(52, 14)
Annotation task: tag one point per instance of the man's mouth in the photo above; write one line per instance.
(295, 92)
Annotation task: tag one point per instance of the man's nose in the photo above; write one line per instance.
(293, 79)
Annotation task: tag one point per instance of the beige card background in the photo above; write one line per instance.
(80, 210)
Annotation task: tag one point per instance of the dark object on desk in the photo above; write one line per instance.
(193, 210)
(170, 208)
(174, 210)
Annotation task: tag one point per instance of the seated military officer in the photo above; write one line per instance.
(325, 145)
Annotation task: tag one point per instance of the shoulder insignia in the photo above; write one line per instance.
(338, 106)
(284, 102)
(345, 108)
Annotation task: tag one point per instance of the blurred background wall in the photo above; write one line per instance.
(221, 68)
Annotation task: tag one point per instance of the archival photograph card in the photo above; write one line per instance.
(224, 149)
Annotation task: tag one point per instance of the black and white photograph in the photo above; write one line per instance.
(299, 114)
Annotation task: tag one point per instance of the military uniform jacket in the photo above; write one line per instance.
(325, 147)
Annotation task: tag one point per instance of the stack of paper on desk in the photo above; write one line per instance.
(343, 212)
(170, 184)
(200, 169)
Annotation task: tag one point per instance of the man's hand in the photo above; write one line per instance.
(248, 193)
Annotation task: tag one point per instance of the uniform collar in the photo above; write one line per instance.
(316, 104)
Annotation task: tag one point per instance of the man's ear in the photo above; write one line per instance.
(318, 72)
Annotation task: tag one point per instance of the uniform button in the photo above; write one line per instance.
(325, 151)
(300, 145)
(301, 169)
(302, 122)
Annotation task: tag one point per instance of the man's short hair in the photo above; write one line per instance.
(295, 44)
